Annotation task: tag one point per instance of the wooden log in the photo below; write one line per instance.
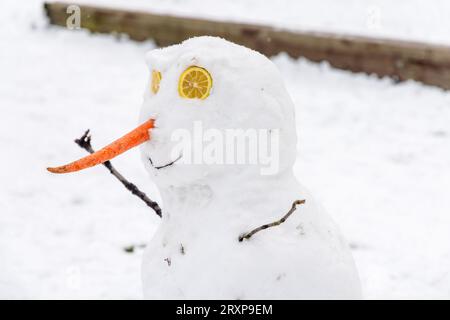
(400, 60)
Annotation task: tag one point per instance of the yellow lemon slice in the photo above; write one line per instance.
(195, 83)
(156, 79)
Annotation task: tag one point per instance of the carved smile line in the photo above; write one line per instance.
(166, 165)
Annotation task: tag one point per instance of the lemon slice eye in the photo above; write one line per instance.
(195, 83)
(156, 79)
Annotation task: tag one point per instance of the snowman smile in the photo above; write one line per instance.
(165, 165)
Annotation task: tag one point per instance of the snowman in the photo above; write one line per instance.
(218, 136)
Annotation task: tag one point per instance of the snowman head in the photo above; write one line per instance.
(211, 108)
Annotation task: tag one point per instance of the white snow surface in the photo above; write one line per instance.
(373, 152)
(415, 20)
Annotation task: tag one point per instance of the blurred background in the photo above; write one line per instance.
(374, 150)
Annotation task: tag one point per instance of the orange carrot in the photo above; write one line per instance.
(128, 141)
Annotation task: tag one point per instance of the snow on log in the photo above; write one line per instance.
(400, 60)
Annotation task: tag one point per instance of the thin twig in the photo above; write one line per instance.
(248, 235)
(85, 143)
(166, 165)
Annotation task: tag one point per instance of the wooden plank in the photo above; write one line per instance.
(400, 60)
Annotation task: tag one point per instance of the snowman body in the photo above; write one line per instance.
(199, 256)
(207, 205)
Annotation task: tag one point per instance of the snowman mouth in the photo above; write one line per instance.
(165, 165)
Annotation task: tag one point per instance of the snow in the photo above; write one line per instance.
(60, 236)
(416, 20)
(375, 153)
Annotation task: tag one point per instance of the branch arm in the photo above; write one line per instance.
(85, 143)
(249, 234)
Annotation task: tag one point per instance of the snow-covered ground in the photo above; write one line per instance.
(377, 154)
(420, 20)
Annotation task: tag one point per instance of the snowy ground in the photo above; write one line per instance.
(376, 154)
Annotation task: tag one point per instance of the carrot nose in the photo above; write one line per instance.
(128, 141)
